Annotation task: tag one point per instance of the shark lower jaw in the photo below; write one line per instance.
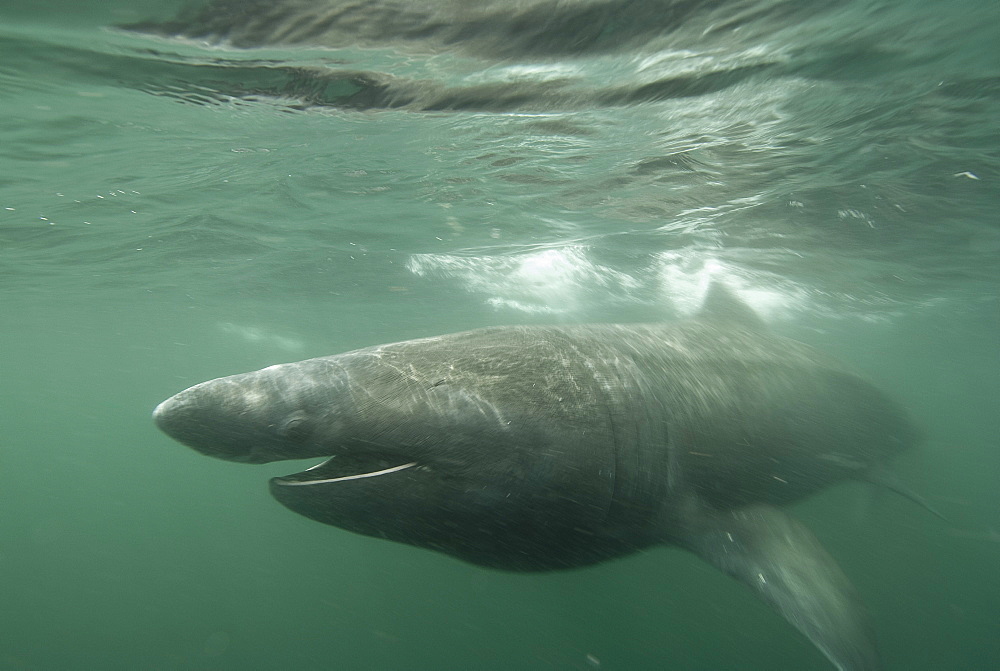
(339, 469)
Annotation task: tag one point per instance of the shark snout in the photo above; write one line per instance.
(162, 411)
(189, 419)
(177, 418)
(209, 422)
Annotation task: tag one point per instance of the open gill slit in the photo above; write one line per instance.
(373, 474)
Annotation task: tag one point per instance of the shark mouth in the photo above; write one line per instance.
(326, 473)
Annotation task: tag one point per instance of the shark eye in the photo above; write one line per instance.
(296, 428)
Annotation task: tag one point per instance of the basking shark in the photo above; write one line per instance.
(535, 448)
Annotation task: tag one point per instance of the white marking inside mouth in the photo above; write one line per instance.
(373, 474)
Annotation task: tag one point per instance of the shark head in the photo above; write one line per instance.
(412, 452)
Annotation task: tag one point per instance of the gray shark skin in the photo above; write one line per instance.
(535, 448)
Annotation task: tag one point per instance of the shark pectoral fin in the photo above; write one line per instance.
(781, 560)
